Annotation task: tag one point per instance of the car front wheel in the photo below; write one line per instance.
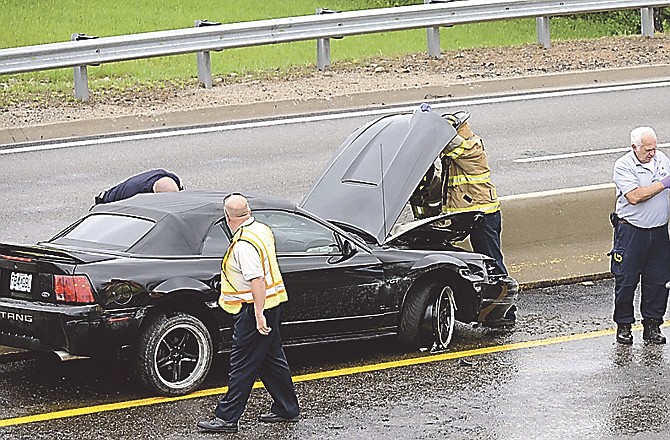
(439, 319)
(427, 318)
(174, 354)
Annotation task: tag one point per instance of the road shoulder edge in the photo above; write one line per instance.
(382, 98)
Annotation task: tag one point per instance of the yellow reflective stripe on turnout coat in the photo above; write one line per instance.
(469, 183)
(261, 238)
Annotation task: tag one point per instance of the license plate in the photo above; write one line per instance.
(20, 282)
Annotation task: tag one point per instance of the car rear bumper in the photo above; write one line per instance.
(498, 307)
(82, 330)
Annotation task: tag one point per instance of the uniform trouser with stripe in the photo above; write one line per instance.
(486, 239)
(640, 254)
(256, 356)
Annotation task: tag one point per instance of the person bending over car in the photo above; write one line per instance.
(152, 181)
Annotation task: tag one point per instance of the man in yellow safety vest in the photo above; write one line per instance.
(252, 290)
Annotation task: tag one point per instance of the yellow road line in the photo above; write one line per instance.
(305, 377)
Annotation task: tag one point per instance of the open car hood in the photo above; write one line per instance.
(372, 175)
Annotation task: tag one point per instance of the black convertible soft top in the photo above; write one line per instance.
(182, 218)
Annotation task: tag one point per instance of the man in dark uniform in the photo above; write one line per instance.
(152, 181)
(641, 250)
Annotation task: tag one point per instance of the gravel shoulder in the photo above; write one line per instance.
(374, 82)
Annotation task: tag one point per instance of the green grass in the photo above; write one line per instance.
(45, 21)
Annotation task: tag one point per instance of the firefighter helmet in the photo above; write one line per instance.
(457, 119)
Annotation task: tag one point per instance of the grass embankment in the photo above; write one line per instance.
(45, 21)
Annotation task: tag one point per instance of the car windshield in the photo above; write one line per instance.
(114, 232)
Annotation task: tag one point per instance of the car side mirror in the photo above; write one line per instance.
(348, 249)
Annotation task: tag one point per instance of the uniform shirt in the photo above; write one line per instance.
(245, 263)
(630, 173)
(140, 183)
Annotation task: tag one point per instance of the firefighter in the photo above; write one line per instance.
(465, 182)
(467, 186)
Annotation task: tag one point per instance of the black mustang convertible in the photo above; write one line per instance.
(139, 278)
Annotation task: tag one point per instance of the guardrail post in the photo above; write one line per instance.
(433, 38)
(542, 26)
(80, 72)
(204, 61)
(433, 34)
(323, 44)
(647, 17)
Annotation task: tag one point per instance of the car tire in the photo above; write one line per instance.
(441, 317)
(427, 318)
(174, 354)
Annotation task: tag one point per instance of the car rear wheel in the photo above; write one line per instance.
(174, 354)
(427, 318)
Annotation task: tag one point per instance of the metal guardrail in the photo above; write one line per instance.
(202, 39)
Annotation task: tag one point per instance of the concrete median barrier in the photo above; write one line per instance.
(558, 236)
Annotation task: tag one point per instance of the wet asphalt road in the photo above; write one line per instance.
(557, 375)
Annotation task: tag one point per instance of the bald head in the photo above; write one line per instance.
(237, 210)
(165, 184)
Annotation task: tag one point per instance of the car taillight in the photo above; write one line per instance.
(22, 259)
(73, 289)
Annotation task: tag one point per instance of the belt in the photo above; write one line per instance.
(621, 220)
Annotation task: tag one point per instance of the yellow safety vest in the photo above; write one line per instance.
(469, 183)
(261, 238)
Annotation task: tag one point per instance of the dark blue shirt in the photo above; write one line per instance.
(140, 183)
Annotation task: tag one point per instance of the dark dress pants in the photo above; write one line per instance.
(256, 356)
(640, 254)
(486, 239)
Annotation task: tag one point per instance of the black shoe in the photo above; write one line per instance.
(218, 425)
(652, 331)
(273, 418)
(623, 334)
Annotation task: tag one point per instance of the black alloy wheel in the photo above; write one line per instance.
(439, 320)
(174, 354)
(427, 318)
